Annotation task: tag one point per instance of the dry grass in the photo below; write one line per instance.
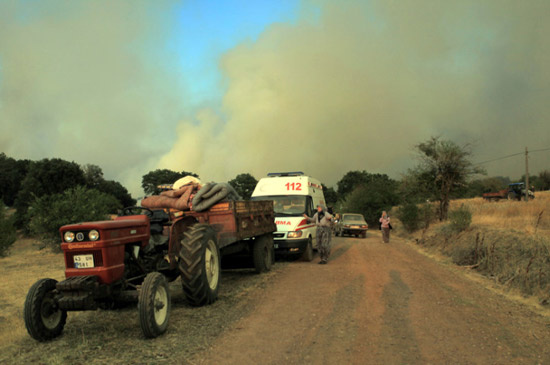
(25, 264)
(508, 241)
(531, 217)
(114, 337)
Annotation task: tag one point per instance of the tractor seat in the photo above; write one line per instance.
(157, 221)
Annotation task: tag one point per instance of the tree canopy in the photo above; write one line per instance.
(12, 173)
(444, 168)
(152, 179)
(244, 184)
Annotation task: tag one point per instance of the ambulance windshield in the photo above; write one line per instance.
(286, 205)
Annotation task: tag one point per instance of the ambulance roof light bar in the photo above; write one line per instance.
(293, 173)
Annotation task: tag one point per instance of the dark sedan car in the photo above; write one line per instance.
(352, 224)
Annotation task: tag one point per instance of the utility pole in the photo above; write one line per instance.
(526, 175)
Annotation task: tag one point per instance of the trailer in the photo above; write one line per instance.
(515, 191)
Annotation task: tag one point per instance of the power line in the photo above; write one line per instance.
(499, 158)
(512, 155)
(542, 149)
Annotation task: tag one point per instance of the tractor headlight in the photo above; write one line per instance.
(93, 235)
(68, 236)
(294, 234)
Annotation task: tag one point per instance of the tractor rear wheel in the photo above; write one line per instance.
(200, 265)
(262, 253)
(154, 305)
(43, 319)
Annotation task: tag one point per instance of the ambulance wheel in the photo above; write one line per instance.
(200, 265)
(43, 319)
(262, 253)
(307, 255)
(154, 305)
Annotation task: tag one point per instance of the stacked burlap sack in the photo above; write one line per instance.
(192, 196)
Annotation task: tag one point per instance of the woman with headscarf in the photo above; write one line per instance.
(322, 220)
(385, 226)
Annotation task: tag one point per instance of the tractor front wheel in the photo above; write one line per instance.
(43, 319)
(200, 265)
(154, 305)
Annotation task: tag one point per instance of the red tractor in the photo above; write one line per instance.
(133, 257)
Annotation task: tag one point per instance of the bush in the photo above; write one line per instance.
(460, 219)
(415, 217)
(7, 231)
(409, 215)
(48, 213)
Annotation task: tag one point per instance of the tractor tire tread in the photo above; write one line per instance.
(196, 290)
(32, 316)
(146, 305)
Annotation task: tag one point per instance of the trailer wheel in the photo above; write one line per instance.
(154, 305)
(307, 255)
(199, 265)
(43, 319)
(262, 253)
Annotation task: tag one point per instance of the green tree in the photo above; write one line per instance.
(116, 189)
(371, 199)
(331, 196)
(49, 212)
(444, 168)
(478, 187)
(46, 177)
(7, 231)
(152, 179)
(351, 180)
(244, 185)
(93, 175)
(544, 180)
(12, 173)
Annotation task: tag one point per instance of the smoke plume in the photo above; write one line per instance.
(358, 86)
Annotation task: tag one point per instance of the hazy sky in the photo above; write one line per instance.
(225, 87)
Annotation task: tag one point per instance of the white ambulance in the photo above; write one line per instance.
(293, 195)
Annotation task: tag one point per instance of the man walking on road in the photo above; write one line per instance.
(322, 220)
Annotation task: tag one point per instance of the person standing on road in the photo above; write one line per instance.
(322, 220)
(385, 227)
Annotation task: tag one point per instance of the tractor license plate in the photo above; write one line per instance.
(83, 261)
(275, 245)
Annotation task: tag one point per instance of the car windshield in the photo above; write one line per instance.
(286, 205)
(353, 217)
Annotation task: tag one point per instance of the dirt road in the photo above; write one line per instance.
(372, 304)
(380, 304)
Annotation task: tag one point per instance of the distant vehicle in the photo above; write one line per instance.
(293, 194)
(352, 224)
(515, 191)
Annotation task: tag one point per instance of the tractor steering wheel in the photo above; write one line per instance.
(129, 211)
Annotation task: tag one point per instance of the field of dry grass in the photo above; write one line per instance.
(508, 241)
(531, 217)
